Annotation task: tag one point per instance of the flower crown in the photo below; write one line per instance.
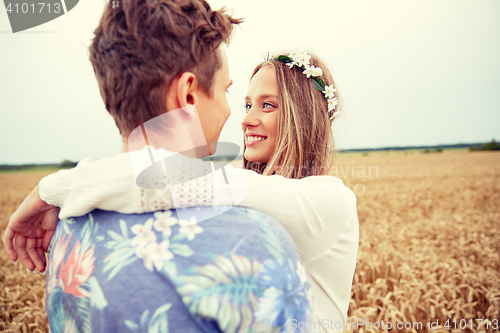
(302, 61)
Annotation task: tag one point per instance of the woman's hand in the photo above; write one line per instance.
(30, 230)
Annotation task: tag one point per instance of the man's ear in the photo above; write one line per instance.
(186, 89)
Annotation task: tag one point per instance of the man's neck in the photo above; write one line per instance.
(125, 147)
(177, 131)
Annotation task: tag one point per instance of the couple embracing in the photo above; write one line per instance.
(259, 252)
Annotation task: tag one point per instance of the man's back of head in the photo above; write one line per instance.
(140, 46)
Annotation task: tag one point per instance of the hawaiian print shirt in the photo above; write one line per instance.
(237, 272)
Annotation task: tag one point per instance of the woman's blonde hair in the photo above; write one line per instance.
(304, 145)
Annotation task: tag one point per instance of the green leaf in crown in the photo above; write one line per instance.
(319, 84)
(284, 59)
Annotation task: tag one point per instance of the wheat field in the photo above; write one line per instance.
(429, 244)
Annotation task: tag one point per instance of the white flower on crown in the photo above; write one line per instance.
(303, 60)
(332, 103)
(293, 55)
(316, 71)
(308, 71)
(271, 55)
(329, 91)
(312, 71)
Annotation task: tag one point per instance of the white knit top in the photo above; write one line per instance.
(319, 213)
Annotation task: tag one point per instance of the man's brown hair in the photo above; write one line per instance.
(140, 46)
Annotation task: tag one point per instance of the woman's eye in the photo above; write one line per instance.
(247, 107)
(268, 105)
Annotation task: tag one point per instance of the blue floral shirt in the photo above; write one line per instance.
(237, 272)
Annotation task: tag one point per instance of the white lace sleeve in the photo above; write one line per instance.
(191, 183)
(109, 184)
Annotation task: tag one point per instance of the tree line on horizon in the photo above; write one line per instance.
(493, 145)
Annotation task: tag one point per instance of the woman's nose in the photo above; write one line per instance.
(250, 119)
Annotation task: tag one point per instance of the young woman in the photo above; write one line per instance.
(290, 107)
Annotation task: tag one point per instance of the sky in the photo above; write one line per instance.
(408, 72)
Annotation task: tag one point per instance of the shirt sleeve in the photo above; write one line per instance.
(106, 184)
(314, 210)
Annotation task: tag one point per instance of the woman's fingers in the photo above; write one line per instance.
(46, 240)
(41, 253)
(8, 244)
(50, 219)
(20, 247)
(28, 251)
(32, 250)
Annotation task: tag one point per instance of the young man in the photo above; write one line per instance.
(112, 272)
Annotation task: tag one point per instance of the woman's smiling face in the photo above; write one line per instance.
(260, 124)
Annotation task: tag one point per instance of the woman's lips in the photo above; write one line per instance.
(254, 139)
